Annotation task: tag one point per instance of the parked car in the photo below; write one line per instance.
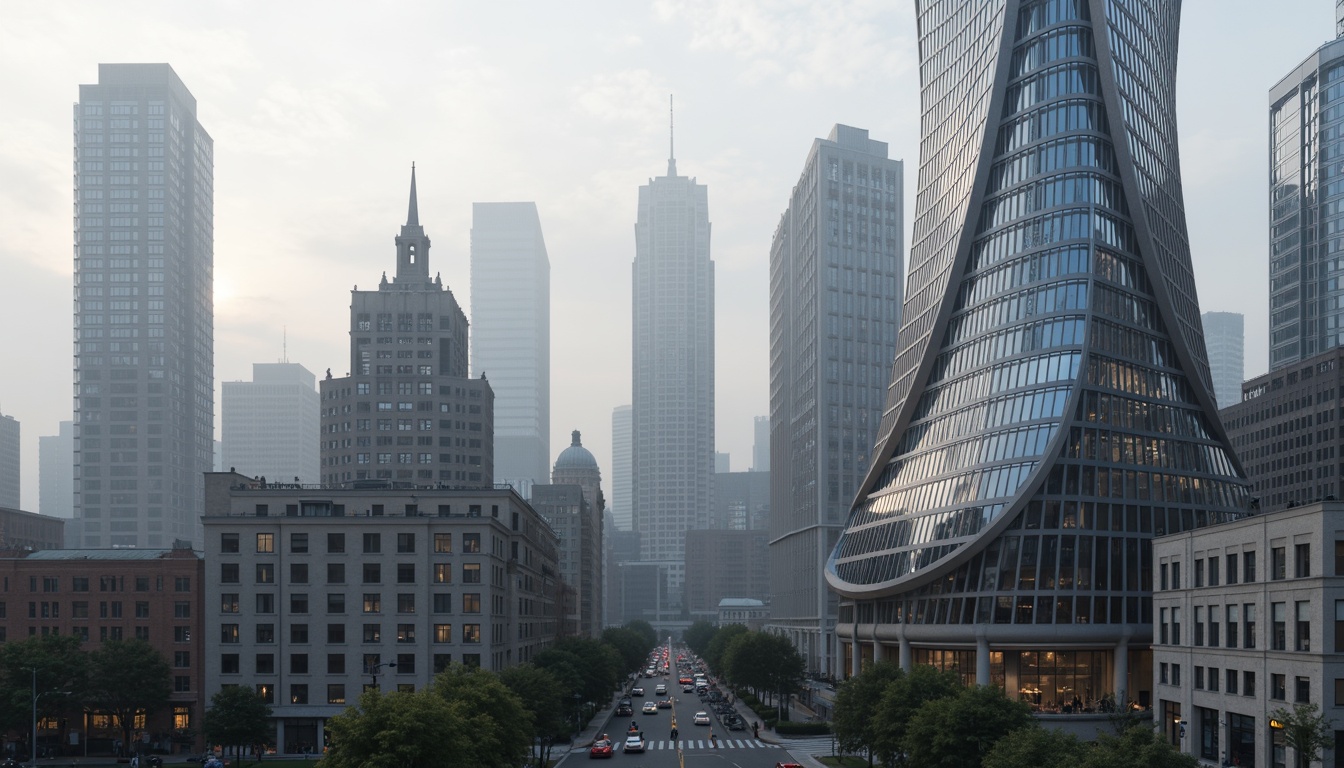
(634, 742)
(601, 748)
(701, 718)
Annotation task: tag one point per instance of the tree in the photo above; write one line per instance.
(542, 696)
(958, 732)
(628, 644)
(127, 677)
(61, 666)
(1138, 747)
(646, 632)
(400, 730)
(1037, 747)
(500, 727)
(899, 703)
(698, 635)
(1306, 730)
(723, 638)
(763, 662)
(855, 701)
(238, 716)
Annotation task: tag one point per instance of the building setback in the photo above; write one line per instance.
(1286, 429)
(144, 309)
(511, 335)
(1225, 337)
(270, 424)
(407, 412)
(836, 266)
(317, 593)
(1050, 408)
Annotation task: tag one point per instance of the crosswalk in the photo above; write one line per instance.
(686, 744)
(814, 746)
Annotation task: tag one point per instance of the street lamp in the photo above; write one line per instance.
(32, 748)
(372, 670)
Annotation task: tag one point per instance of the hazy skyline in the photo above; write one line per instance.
(318, 110)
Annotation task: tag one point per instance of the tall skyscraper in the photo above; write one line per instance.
(1050, 408)
(836, 266)
(622, 469)
(1306, 300)
(1225, 337)
(673, 412)
(9, 461)
(56, 472)
(270, 423)
(576, 467)
(407, 413)
(511, 335)
(760, 446)
(144, 309)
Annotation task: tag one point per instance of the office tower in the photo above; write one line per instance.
(1050, 408)
(9, 462)
(407, 413)
(725, 564)
(144, 309)
(835, 302)
(741, 501)
(673, 411)
(1306, 301)
(722, 462)
(270, 424)
(55, 472)
(511, 335)
(1290, 464)
(1224, 335)
(760, 446)
(575, 466)
(622, 470)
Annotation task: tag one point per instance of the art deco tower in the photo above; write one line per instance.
(1050, 408)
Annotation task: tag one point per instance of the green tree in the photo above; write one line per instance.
(899, 703)
(646, 632)
(1037, 747)
(855, 701)
(238, 716)
(61, 666)
(542, 696)
(958, 732)
(629, 645)
(500, 727)
(723, 638)
(765, 663)
(400, 730)
(698, 635)
(1138, 747)
(1306, 730)
(127, 677)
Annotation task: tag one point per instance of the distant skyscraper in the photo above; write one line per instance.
(1050, 409)
(407, 413)
(622, 477)
(1224, 335)
(835, 304)
(511, 335)
(56, 472)
(575, 466)
(673, 358)
(760, 447)
(9, 462)
(144, 309)
(723, 462)
(270, 424)
(1306, 300)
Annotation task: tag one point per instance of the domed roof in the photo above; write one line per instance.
(576, 456)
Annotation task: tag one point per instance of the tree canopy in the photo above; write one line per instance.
(958, 731)
(1306, 730)
(400, 730)
(237, 716)
(698, 635)
(855, 701)
(127, 677)
(540, 693)
(901, 699)
(499, 725)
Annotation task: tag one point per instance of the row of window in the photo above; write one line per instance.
(1209, 633)
(230, 634)
(105, 584)
(405, 664)
(1211, 570)
(181, 634)
(372, 602)
(229, 573)
(79, 609)
(229, 543)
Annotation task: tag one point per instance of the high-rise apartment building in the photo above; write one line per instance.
(144, 309)
(407, 413)
(1225, 337)
(1306, 299)
(673, 411)
(56, 472)
(511, 335)
(836, 266)
(9, 461)
(270, 423)
(1050, 408)
(622, 470)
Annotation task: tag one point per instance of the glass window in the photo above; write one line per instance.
(471, 633)
(443, 633)
(298, 542)
(228, 573)
(265, 573)
(373, 573)
(1233, 619)
(265, 543)
(335, 573)
(1278, 563)
(336, 693)
(443, 543)
(405, 543)
(406, 602)
(1302, 690)
(1303, 633)
(471, 573)
(471, 602)
(373, 543)
(373, 633)
(373, 602)
(443, 603)
(1278, 616)
(335, 634)
(335, 543)
(1232, 569)
(443, 573)
(228, 633)
(1248, 567)
(1302, 561)
(1278, 687)
(405, 573)
(405, 633)
(471, 543)
(335, 602)
(335, 663)
(228, 542)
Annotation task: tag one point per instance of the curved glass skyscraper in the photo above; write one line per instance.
(1050, 407)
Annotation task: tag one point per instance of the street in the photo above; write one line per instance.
(693, 746)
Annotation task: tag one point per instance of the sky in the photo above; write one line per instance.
(318, 109)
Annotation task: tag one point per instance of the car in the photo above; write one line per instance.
(688, 689)
(701, 718)
(660, 689)
(601, 748)
(650, 707)
(636, 691)
(735, 723)
(788, 765)
(625, 708)
(634, 742)
(664, 703)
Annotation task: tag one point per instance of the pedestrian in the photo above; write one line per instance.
(135, 760)
(756, 730)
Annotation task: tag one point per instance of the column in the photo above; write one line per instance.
(981, 656)
(906, 656)
(856, 655)
(1122, 671)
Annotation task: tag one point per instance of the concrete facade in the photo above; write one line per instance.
(270, 424)
(27, 530)
(56, 472)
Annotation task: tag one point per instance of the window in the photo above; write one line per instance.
(1303, 634)
(405, 602)
(1233, 618)
(373, 573)
(405, 633)
(1339, 558)
(298, 693)
(443, 573)
(267, 692)
(471, 574)
(471, 602)
(1176, 574)
(265, 634)
(336, 693)
(1248, 683)
(265, 543)
(298, 543)
(182, 584)
(1214, 576)
(298, 633)
(1199, 573)
(265, 602)
(335, 573)
(228, 663)
(373, 543)
(141, 584)
(405, 663)
(1214, 678)
(181, 659)
(1278, 687)
(228, 633)
(471, 633)
(373, 602)
(1162, 673)
(1302, 561)
(1232, 568)
(228, 602)
(335, 634)
(265, 573)
(1175, 626)
(335, 602)
(1162, 576)
(335, 663)
(298, 602)
(265, 663)
(1248, 567)
(181, 634)
(80, 584)
(405, 543)
(443, 633)
(1214, 639)
(373, 633)
(1302, 690)
(443, 603)
(1199, 626)
(228, 543)
(1278, 563)
(298, 663)
(298, 573)
(1231, 681)
(1278, 616)
(443, 544)
(1163, 627)
(405, 573)
(471, 543)
(1199, 678)
(336, 545)
(228, 573)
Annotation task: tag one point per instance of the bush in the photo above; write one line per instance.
(785, 728)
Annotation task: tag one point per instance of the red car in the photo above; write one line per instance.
(601, 748)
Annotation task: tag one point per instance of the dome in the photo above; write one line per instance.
(576, 456)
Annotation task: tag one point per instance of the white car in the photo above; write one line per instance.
(660, 690)
(701, 718)
(650, 707)
(634, 743)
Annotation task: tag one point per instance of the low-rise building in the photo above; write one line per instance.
(316, 593)
(1249, 619)
(29, 530)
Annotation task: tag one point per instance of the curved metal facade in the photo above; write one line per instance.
(1050, 407)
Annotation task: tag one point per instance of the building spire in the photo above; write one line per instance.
(413, 213)
(671, 139)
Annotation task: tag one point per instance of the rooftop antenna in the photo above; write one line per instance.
(671, 139)
(284, 344)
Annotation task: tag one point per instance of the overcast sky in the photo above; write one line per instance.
(317, 110)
